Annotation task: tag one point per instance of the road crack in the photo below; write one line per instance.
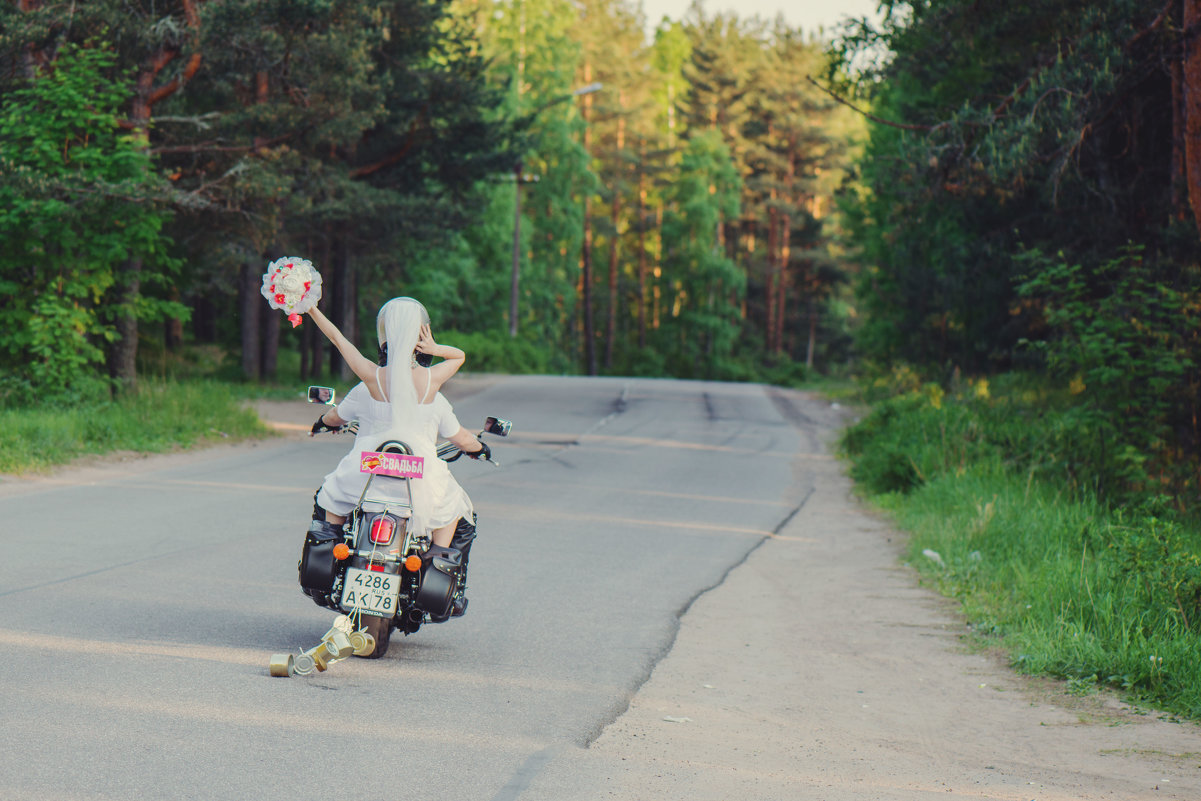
(677, 621)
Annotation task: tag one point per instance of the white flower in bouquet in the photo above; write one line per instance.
(293, 285)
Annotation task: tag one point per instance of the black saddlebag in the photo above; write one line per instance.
(318, 567)
(439, 579)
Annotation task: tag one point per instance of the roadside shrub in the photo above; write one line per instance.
(1164, 562)
(159, 416)
(786, 373)
(1069, 584)
(1121, 341)
(79, 198)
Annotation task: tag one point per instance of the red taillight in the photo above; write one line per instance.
(381, 530)
(377, 567)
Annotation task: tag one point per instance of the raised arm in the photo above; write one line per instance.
(359, 364)
(452, 357)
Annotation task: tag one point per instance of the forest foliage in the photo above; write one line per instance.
(1028, 200)
(968, 190)
(555, 184)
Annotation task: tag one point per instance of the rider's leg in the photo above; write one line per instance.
(322, 500)
(443, 535)
(317, 564)
(322, 515)
(463, 534)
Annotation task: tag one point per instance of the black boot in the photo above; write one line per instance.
(464, 536)
(461, 542)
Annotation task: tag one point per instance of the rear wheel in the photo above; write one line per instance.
(380, 629)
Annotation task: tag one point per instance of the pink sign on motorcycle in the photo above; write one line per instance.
(396, 465)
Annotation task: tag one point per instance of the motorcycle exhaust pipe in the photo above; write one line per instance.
(415, 616)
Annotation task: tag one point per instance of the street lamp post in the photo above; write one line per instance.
(518, 179)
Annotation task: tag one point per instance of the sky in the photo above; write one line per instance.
(808, 15)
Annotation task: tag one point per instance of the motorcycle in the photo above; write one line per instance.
(377, 573)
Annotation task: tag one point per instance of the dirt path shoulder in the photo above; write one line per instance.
(820, 669)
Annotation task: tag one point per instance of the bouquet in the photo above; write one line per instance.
(293, 285)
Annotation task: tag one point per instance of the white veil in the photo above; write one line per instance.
(398, 324)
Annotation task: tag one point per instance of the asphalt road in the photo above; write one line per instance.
(142, 601)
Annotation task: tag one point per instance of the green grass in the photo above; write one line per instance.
(162, 416)
(1068, 586)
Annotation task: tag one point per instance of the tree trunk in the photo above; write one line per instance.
(642, 266)
(315, 339)
(772, 282)
(31, 56)
(614, 242)
(332, 290)
(304, 335)
(1179, 179)
(311, 342)
(304, 347)
(350, 304)
(812, 332)
(1192, 105)
(173, 326)
(586, 294)
(611, 322)
(586, 256)
(204, 320)
(123, 355)
(249, 283)
(657, 289)
(270, 345)
(783, 237)
(269, 334)
(341, 303)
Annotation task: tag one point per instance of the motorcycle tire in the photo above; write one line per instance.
(380, 630)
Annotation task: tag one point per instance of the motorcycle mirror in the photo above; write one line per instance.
(324, 395)
(494, 425)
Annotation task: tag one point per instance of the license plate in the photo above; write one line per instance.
(371, 592)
